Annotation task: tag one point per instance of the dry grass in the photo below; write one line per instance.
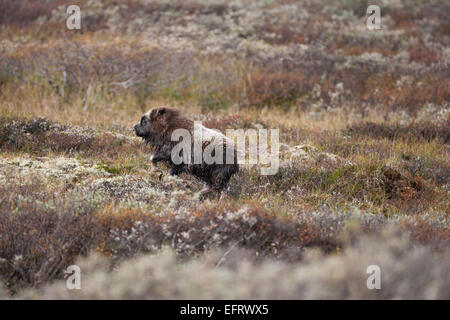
(364, 127)
(341, 276)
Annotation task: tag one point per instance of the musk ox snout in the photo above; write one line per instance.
(142, 128)
(139, 130)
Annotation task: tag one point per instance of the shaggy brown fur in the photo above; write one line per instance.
(156, 128)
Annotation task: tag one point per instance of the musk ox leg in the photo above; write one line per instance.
(157, 157)
(221, 176)
(175, 170)
(209, 193)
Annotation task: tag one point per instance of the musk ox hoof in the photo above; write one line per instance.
(208, 194)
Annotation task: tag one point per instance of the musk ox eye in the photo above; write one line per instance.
(143, 121)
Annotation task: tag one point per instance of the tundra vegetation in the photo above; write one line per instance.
(364, 174)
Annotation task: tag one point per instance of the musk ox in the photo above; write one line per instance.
(157, 127)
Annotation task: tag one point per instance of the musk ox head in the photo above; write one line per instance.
(156, 123)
